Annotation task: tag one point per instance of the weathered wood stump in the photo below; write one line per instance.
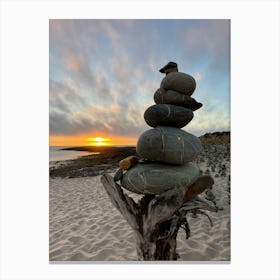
(156, 219)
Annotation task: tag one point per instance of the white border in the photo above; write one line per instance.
(254, 126)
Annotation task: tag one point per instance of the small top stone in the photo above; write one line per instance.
(167, 68)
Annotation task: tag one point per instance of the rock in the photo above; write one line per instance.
(200, 185)
(118, 175)
(128, 162)
(180, 82)
(167, 115)
(156, 178)
(162, 96)
(169, 145)
(210, 195)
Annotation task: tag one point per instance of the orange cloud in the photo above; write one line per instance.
(75, 63)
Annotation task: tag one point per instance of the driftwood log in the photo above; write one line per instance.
(156, 219)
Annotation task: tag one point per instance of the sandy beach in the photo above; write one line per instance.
(84, 225)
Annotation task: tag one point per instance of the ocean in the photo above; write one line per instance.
(56, 154)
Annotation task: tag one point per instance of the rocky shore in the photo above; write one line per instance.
(106, 159)
(215, 137)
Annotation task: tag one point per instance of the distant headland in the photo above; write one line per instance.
(215, 137)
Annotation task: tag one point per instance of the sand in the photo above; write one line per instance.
(85, 226)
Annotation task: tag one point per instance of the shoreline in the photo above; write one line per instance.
(106, 159)
(96, 148)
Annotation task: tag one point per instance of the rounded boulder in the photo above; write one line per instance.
(180, 82)
(169, 145)
(167, 115)
(156, 178)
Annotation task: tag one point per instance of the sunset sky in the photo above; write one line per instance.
(104, 73)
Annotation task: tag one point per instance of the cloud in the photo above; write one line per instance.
(107, 108)
(111, 32)
(104, 72)
(213, 116)
(65, 96)
(75, 63)
(197, 77)
(206, 43)
(115, 119)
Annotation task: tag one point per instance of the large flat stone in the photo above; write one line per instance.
(167, 115)
(168, 144)
(156, 178)
(180, 82)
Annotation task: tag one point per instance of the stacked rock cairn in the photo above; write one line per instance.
(165, 173)
(167, 152)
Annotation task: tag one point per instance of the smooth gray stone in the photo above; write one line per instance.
(168, 144)
(156, 178)
(118, 175)
(167, 115)
(162, 96)
(180, 82)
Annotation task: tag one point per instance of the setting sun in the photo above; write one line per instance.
(99, 141)
(92, 140)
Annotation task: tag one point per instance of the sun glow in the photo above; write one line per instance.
(99, 141)
(92, 140)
